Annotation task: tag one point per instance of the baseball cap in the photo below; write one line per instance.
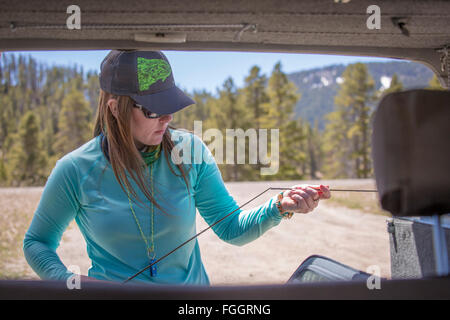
(145, 76)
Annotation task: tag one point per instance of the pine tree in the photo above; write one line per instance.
(226, 114)
(27, 161)
(255, 95)
(28, 85)
(394, 86)
(3, 172)
(434, 84)
(93, 90)
(282, 98)
(314, 150)
(74, 122)
(255, 100)
(7, 121)
(336, 146)
(349, 138)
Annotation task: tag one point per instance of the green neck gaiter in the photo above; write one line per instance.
(151, 156)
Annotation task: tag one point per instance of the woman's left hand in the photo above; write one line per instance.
(303, 198)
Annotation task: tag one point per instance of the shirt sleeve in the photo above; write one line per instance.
(56, 209)
(214, 202)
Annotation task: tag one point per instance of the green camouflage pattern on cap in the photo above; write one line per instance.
(150, 71)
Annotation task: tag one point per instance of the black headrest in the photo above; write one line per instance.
(411, 152)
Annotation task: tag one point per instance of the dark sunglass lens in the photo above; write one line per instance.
(148, 114)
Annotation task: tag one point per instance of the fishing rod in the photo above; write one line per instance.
(345, 190)
(223, 218)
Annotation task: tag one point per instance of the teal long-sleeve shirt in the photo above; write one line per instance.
(82, 186)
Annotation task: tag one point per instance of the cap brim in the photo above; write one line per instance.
(164, 102)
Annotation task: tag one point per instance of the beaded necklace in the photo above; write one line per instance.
(149, 158)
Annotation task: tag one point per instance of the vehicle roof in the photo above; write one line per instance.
(309, 26)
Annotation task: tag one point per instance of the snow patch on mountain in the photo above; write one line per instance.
(385, 82)
(324, 81)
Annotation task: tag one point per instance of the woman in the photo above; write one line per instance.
(131, 200)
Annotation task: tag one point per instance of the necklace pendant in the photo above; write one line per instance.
(152, 268)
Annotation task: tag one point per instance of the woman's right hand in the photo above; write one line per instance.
(303, 198)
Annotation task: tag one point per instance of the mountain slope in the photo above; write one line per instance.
(319, 86)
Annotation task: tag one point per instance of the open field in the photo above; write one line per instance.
(349, 228)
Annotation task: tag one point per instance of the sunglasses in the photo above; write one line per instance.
(148, 114)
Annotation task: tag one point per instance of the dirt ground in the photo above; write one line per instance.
(347, 235)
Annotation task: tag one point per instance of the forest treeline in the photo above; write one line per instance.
(46, 112)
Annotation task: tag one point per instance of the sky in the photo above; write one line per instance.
(207, 70)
